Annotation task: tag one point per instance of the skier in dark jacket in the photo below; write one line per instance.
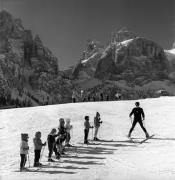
(87, 126)
(62, 134)
(139, 116)
(52, 145)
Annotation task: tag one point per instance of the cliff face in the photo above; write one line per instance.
(127, 57)
(138, 57)
(29, 71)
(86, 67)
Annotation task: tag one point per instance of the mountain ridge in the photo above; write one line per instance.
(30, 70)
(30, 74)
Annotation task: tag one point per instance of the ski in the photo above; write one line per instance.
(147, 139)
(34, 169)
(90, 143)
(29, 169)
(102, 140)
(132, 140)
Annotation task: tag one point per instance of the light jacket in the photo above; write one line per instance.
(68, 127)
(24, 147)
(97, 121)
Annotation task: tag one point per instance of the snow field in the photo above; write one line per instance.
(119, 159)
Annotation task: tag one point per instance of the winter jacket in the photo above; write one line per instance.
(87, 125)
(51, 139)
(97, 121)
(68, 128)
(37, 143)
(24, 147)
(62, 131)
(138, 113)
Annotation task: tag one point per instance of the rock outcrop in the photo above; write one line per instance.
(29, 72)
(86, 67)
(127, 57)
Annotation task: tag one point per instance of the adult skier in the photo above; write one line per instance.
(139, 117)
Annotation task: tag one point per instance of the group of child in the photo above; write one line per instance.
(55, 140)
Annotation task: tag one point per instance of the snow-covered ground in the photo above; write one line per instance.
(119, 159)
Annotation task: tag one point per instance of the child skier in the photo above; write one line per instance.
(62, 134)
(86, 129)
(52, 145)
(97, 123)
(139, 116)
(68, 127)
(24, 147)
(37, 148)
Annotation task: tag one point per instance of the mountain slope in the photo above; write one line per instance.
(29, 69)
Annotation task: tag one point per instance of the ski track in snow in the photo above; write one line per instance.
(118, 159)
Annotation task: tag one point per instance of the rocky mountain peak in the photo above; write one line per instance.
(5, 16)
(128, 57)
(122, 35)
(9, 26)
(29, 69)
(38, 40)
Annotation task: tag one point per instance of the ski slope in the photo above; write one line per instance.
(119, 159)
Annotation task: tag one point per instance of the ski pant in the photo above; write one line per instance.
(141, 125)
(23, 160)
(96, 132)
(67, 138)
(86, 132)
(60, 141)
(37, 156)
(52, 147)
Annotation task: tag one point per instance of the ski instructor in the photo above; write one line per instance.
(139, 116)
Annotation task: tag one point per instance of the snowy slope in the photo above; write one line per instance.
(119, 159)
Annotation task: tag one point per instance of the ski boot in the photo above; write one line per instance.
(51, 160)
(147, 135)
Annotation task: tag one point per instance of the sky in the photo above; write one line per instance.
(65, 25)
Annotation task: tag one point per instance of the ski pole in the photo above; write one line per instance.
(72, 131)
(143, 122)
(99, 132)
(131, 120)
(28, 159)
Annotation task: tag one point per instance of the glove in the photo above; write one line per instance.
(44, 144)
(101, 122)
(92, 126)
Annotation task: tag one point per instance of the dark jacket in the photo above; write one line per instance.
(51, 139)
(86, 125)
(138, 113)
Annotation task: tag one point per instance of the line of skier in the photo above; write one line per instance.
(57, 141)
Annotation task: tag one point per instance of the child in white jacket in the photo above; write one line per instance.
(24, 147)
(68, 127)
